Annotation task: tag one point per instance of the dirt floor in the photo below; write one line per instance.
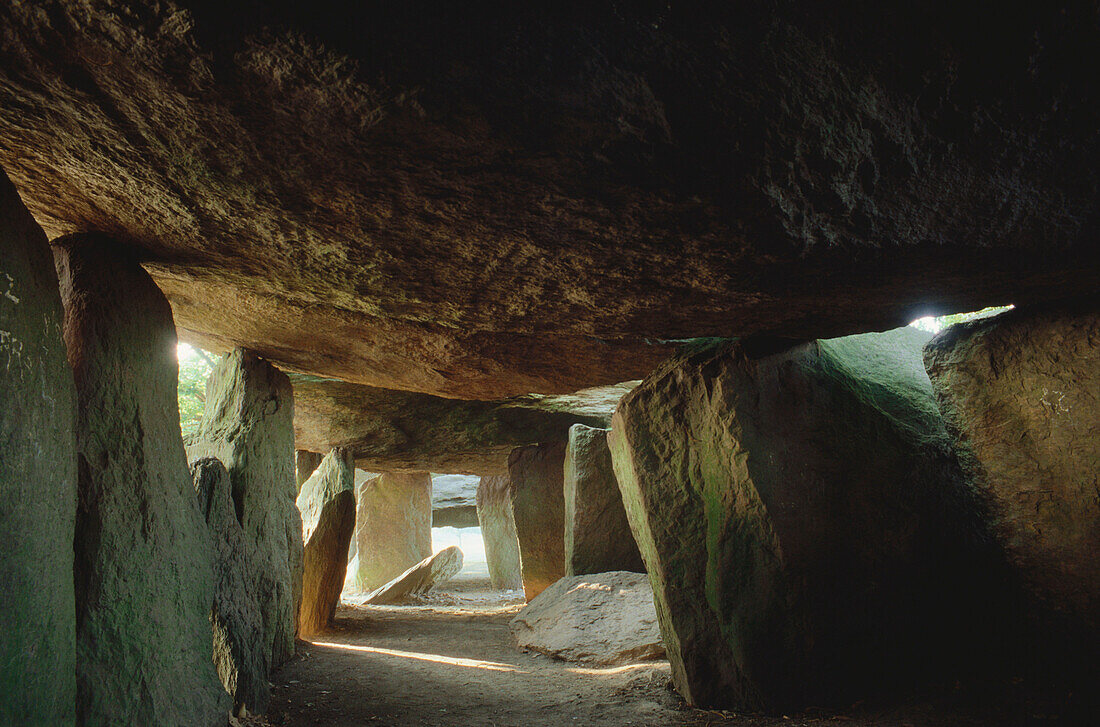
(451, 661)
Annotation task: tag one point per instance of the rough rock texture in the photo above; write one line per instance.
(597, 534)
(143, 569)
(454, 501)
(807, 530)
(327, 504)
(498, 532)
(538, 505)
(247, 425)
(394, 431)
(37, 480)
(423, 577)
(1021, 394)
(239, 655)
(490, 199)
(305, 462)
(606, 619)
(393, 526)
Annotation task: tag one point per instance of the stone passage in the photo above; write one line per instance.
(807, 532)
(393, 528)
(1021, 393)
(597, 534)
(247, 425)
(538, 506)
(239, 653)
(454, 501)
(498, 532)
(144, 567)
(327, 504)
(37, 480)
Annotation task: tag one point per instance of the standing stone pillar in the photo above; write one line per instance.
(327, 504)
(1021, 395)
(239, 652)
(393, 528)
(807, 532)
(144, 566)
(538, 505)
(247, 423)
(498, 532)
(305, 463)
(597, 534)
(37, 480)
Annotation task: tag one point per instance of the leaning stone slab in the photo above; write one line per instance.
(538, 505)
(305, 462)
(393, 529)
(423, 577)
(37, 480)
(327, 504)
(803, 520)
(498, 532)
(247, 425)
(1021, 395)
(144, 567)
(605, 619)
(597, 534)
(238, 632)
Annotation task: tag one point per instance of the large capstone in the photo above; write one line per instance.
(327, 504)
(454, 501)
(805, 526)
(239, 653)
(247, 425)
(37, 480)
(498, 532)
(393, 526)
(538, 505)
(1021, 395)
(144, 569)
(402, 431)
(606, 619)
(597, 534)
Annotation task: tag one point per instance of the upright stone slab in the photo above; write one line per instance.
(305, 463)
(498, 532)
(247, 423)
(37, 480)
(454, 501)
(538, 505)
(144, 569)
(393, 528)
(327, 504)
(597, 534)
(239, 653)
(1021, 395)
(807, 532)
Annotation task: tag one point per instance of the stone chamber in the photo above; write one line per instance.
(560, 363)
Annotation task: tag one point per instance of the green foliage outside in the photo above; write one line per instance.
(935, 324)
(195, 366)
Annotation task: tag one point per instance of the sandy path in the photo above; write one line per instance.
(453, 663)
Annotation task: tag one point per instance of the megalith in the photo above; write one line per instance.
(239, 653)
(144, 571)
(425, 576)
(305, 462)
(538, 505)
(247, 424)
(327, 504)
(1021, 395)
(597, 534)
(37, 480)
(393, 526)
(454, 501)
(498, 532)
(807, 532)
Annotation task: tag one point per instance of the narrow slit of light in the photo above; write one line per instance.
(435, 658)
